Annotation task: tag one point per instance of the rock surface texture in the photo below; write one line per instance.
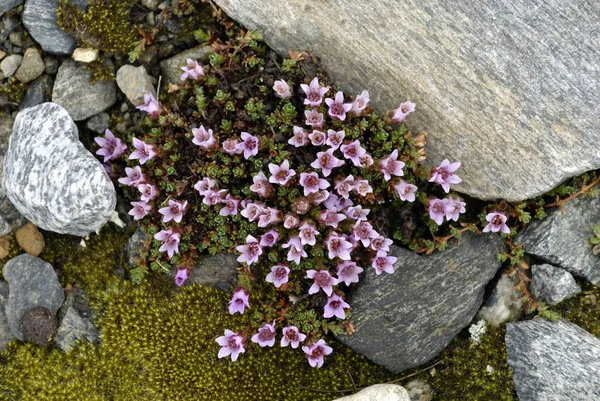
(32, 66)
(553, 361)
(51, 178)
(32, 282)
(379, 392)
(6, 336)
(135, 82)
(509, 88)
(74, 91)
(215, 271)
(405, 319)
(552, 284)
(6, 5)
(563, 239)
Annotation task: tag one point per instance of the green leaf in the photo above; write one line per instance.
(201, 36)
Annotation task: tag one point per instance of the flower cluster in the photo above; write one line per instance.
(450, 207)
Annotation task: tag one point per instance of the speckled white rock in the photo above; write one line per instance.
(379, 392)
(552, 284)
(51, 178)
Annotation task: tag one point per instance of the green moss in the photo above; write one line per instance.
(463, 373)
(583, 309)
(13, 92)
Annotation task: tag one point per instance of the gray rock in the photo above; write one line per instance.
(74, 327)
(6, 336)
(74, 91)
(552, 284)
(32, 66)
(563, 239)
(502, 304)
(135, 82)
(40, 19)
(215, 271)
(51, 178)
(20, 39)
(151, 4)
(505, 87)
(553, 361)
(405, 319)
(6, 5)
(171, 67)
(38, 92)
(98, 123)
(137, 245)
(32, 282)
(51, 65)
(5, 228)
(10, 64)
(379, 392)
(8, 212)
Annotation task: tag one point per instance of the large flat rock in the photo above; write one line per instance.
(509, 88)
(405, 319)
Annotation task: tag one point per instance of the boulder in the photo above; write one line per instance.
(405, 319)
(562, 238)
(171, 67)
(553, 361)
(379, 392)
(74, 91)
(51, 178)
(32, 283)
(135, 82)
(552, 284)
(506, 88)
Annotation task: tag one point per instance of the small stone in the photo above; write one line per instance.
(135, 82)
(85, 55)
(2, 55)
(137, 245)
(30, 239)
(74, 91)
(151, 4)
(171, 68)
(10, 64)
(98, 123)
(4, 247)
(418, 390)
(217, 271)
(5, 228)
(51, 65)
(32, 66)
(74, 327)
(379, 392)
(6, 5)
(552, 284)
(32, 282)
(38, 92)
(38, 326)
(20, 39)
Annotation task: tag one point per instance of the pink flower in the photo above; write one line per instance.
(338, 246)
(326, 161)
(261, 185)
(134, 177)
(231, 147)
(437, 210)
(239, 301)
(330, 218)
(148, 192)
(317, 138)
(270, 216)
(212, 197)
(362, 187)
(357, 213)
(174, 211)
(230, 206)
(231, 344)
(314, 93)
(181, 276)
(296, 251)
(279, 275)
(337, 107)
(363, 230)
(292, 336)
(380, 243)
(389, 166)
(400, 114)
(348, 272)
(269, 238)
(170, 241)
(204, 185)
(353, 151)
(249, 145)
(192, 70)
(454, 207)
(307, 234)
(204, 138)
(252, 211)
(335, 307)
(281, 174)
(300, 137)
(365, 161)
(140, 210)
(360, 103)
(496, 222)
(265, 336)
(249, 252)
(343, 187)
(316, 352)
(290, 221)
(319, 197)
(311, 183)
(336, 203)
(142, 151)
(405, 190)
(282, 89)
(384, 263)
(443, 174)
(321, 280)
(314, 118)
(150, 105)
(335, 138)
(110, 146)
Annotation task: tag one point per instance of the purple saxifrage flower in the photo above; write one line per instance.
(296, 251)
(292, 337)
(230, 206)
(384, 263)
(404, 110)
(362, 187)
(281, 174)
(317, 138)
(150, 105)
(279, 275)
(366, 160)
(252, 211)
(170, 241)
(405, 191)
(314, 93)
(300, 137)
(337, 203)
(338, 246)
(381, 243)
(143, 151)
(269, 238)
(389, 166)
(111, 147)
(250, 252)
(316, 352)
(261, 185)
(265, 336)
(307, 234)
(454, 207)
(147, 191)
(239, 301)
(204, 138)
(443, 174)
(343, 187)
(337, 107)
(290, 221)
(181, 276)
(311, 183)
(134, 177)
(357, 213)
(282, 89)
(192, 70)
(335, 307)
(270, 216)
(326, 161)
(363, 231)
(335, 138)
(353, 151)
(249, 145)
(321, 280)
(360, 103)
(231, 344)
(496, 222)
(174, 211)
(314, 118)
(348, 272)
(437, 210)
(140, 210)
(331, 218)
(319, 197)
(230, 146)
(212, 197)
(204, 185)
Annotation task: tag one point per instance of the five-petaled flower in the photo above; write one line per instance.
(150, 105)
(231, 147)
(338, 246)
(443, 174)
(300, 137)
(404, 110)
(321, 280)
(192, 70)
(335, 307)
(239, 301)
(326, 161)
(348, 272)
(204, 185)
(181, 276)
(143, 151)
(308, 233)
(337, 107)
(314, 118)
(314, 93)
(279, 275)
(134, 177)
(204, 138)
(261, 185)
(384, 263)
(249, 145)
(315, 353)
(174, 211)
(140, 210)
(282, 89)
(170, 241)
(390, 166)
(111, 147)
(311, 183)
(405, 191)
(265, 336)
(269, 238)
(437, 210)
(147, 191)
(496, 222)
(250, 252)
(317, 138)
(335, 138)
(454, 208)
(360, 103)
(292, 337)
(281, 174)
(296, 251)
(230, 206)
(353, 151)
(231, 344)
